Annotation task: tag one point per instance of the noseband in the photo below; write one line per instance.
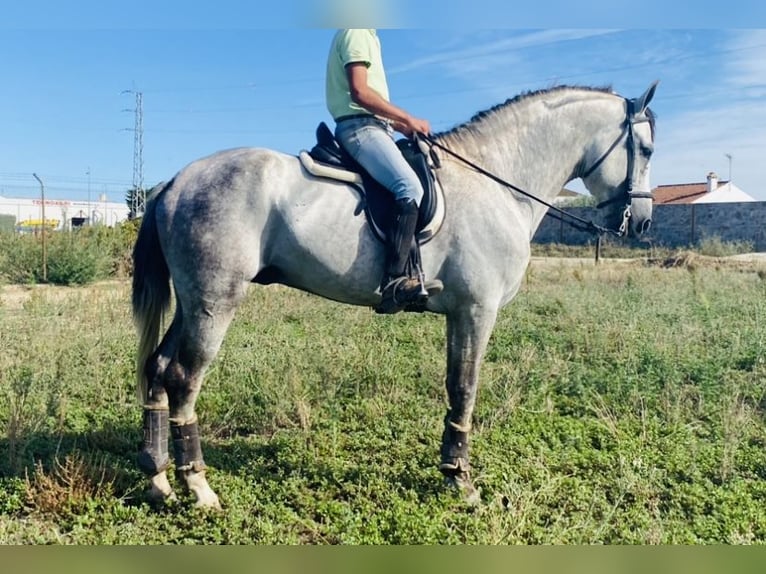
(628, 194)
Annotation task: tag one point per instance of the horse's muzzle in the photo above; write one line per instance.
(641, 214)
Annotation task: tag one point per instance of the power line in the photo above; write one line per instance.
(23, 177)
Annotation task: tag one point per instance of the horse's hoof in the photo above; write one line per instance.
(197, 484)
(468, 492)
(159, 501)
(156, 498)
(160, 491)
(205, 497)
(209, 503)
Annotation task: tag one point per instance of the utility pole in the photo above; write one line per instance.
(89, 214)
(728, 155)
(102, 199)
(45, 251)
(138, 200)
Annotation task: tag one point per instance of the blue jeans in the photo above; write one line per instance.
(370, 142)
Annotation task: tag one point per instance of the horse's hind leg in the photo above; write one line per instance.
(154, 459)
(203, 327)
(174, 374)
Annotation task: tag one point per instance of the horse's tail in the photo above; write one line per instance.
(151, 290)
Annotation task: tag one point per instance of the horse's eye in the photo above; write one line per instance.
(647, 150)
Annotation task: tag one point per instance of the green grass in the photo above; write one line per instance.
(621, 249)
(619, 404)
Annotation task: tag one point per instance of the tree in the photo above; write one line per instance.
(136, 200)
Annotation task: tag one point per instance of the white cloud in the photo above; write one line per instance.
(747, 62)
(469, 59)
(729, 119)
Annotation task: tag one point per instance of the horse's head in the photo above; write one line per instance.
(618, 172)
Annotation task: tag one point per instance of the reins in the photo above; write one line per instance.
(575, 221)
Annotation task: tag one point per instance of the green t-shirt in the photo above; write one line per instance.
(349, 46)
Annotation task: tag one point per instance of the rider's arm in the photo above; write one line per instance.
(372, 101)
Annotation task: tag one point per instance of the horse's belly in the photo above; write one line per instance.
(323, 247)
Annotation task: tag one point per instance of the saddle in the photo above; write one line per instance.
(328, 159)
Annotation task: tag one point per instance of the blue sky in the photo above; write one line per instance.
(250, 74)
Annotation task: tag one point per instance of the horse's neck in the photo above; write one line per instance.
(535, 144)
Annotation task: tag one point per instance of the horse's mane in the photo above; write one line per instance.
(518, 99)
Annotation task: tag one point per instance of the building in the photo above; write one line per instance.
(569, 197)
(62, 213)
(711, 191)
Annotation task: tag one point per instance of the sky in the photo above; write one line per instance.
(252, 74)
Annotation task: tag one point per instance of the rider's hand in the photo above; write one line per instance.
(413, 125)
(420, 126)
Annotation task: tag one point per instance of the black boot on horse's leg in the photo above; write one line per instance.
(398, 289)
(153, 459)
(190, 466)
(454, 464)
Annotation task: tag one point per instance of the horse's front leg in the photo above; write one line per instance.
(468, 332)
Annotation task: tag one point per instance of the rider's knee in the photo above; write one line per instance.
(408, 190)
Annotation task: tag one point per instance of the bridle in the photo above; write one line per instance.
(556, 212)
(628, 194)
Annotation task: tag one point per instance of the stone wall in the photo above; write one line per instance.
(675, 225)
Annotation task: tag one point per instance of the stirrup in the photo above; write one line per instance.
(397, 296)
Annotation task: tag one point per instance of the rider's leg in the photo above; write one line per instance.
(397, 287)
(369, 141)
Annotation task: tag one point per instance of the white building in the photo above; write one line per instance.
(722, 192)
(711, 191)
(63, 213)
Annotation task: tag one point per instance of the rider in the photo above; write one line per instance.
(357, 98)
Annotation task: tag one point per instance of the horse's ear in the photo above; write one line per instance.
(640, 103)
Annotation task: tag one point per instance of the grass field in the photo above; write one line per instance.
(620, 403)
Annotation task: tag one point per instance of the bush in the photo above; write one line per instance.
(20, 258)
(609, 249)
(7, 222)
(73, 257)
(716, 247)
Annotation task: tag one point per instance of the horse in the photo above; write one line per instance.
(256, 216)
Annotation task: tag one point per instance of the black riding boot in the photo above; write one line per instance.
(397, 288)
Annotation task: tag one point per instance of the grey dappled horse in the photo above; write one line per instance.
(256, 216)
